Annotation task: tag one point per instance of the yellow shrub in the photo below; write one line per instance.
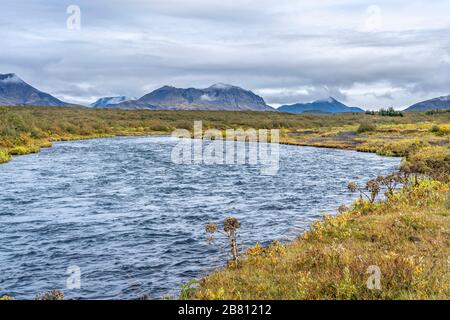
(391, 147)
(4, 156)
(21, 150)
(433, 161)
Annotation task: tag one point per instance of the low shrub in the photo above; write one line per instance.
(51, 295)
(366, 127)
(432, 161)
(401, 147)
(435, 129)
(4, 156)
(21, 150)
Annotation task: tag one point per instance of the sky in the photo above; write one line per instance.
(370, 54)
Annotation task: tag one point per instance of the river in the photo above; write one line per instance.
(132, 222)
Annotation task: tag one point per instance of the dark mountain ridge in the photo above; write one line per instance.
(329, 105)
(16, 92)
(216, 97)
(440, 103)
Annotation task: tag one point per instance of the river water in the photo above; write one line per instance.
(132, 222)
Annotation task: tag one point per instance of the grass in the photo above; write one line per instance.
(406, 238)
(4, 156)
(399, 147)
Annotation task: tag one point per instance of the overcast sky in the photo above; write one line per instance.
(366, 53)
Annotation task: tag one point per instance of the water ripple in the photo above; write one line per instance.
(134, 222)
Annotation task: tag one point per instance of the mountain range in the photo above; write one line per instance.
(329, 105)
(16, 92)
(216, 97)
(440, 103)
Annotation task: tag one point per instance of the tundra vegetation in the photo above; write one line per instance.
(405, 233)
(28, 129)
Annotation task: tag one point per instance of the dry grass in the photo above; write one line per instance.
(407, 237)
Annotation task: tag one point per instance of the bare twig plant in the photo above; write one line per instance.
(230, 226)
(373, 187)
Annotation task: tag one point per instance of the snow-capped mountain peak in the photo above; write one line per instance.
(10, 78)
(221, 86)
(108, 101)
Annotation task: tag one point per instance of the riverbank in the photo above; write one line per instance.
(397, 248)
(406, 239)
(25, 130)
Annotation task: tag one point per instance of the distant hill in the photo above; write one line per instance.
(216, 97)
(108, 101)
(329, 105)
(440, 103)
(16, 92)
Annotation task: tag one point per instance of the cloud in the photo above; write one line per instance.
(11, 79)
(287, 51)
